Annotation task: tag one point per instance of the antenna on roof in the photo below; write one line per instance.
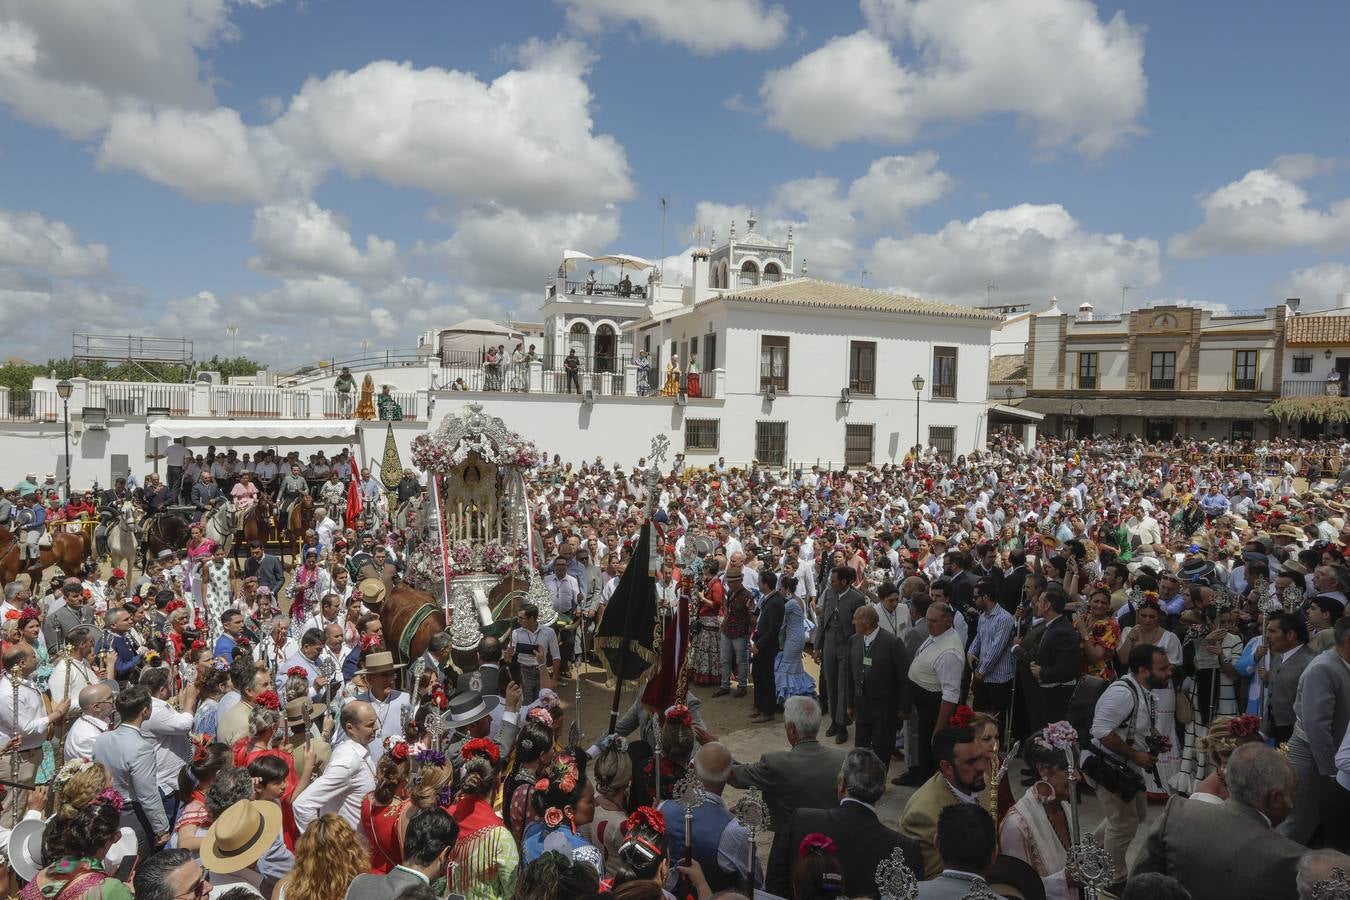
(664, 203)
(862, 278)
(989, 288)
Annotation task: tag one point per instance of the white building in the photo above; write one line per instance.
(791, 370)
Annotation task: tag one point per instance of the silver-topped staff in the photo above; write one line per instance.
(689, 793)
(1087, 862)
(436, 728)
(753, 814)
(895, 881)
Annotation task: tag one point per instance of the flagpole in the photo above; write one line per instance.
(618, 676)
(440, 531)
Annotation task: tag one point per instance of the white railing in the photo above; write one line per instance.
(259, 403)
(122, 399)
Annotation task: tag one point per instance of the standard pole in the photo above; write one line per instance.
(917, 394)
(65, 404)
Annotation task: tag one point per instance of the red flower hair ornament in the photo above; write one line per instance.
(481, 747)
(961, 717)
(396, 747)
(681, 714)
(269, 700)
(1244, 726)
(815, 842)
(297, 672)
(644, 817)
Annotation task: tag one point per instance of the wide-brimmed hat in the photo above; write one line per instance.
(295, 711)
(240, 837)
(1290, 531)
(379, 663)
(165, 554)
(372, 591)
(25, 848)
(468, 706)
(1014, 878)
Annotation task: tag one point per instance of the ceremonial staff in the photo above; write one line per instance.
(895, 881)
(689, 794)
(14, 673)
(753, 813)
(1087, 862)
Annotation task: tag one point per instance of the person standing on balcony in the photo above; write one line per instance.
(519, 379)
(590, 282)
(572, 365)
(344, 386)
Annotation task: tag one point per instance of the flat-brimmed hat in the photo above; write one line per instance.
(468, 706)
(165, 554)
(1014, 878)
(372, 591)
(25, 848)
(379, 663)
(240, 837)
(295, 711)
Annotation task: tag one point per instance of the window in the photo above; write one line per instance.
(1244, 370)
(1087, 370)
(1302, 365)
(1162, 373)
(693, 348)
(771, 443)
(773, 362)
(857, 445)
(944, 372)
(701, 434)
(709, 352)
(862, 367)
(1243, 430)
(943, 438)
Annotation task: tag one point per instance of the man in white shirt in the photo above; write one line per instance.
(533, 647)
(329, 610)
(96, 712)
(169, 729)
(324, 526)
(350, 774)
(69, 677)
(388, 702)
(307, 658)
(32, 726)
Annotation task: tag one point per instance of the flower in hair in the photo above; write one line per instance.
(645, 817)
(1058, 736)
(429, 757)
(445, 796)
(219, 664)
(268, 700)
(11, 614)
(815, 842)
(1244, 726)
(681, 714)
(28, 614)
(614, 742)
(396, 747)
(111, 798)
(297, 672)
(481, 747)
(540, 715)
(174, 605)
(198, 645)
(370, 641)
(961, 717)
(541, 786)
(201, 746)
(553, 817)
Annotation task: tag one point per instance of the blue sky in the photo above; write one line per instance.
(328, 171)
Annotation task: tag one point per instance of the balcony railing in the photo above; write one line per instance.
(128, 399)
(1162, 384)
(1244, 384)
(607, 289)
(1312, 387)
(1087, 382)
(32, 406)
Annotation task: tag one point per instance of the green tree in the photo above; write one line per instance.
(19, 376)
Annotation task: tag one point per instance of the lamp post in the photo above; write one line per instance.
(63, 388)
(918, 383)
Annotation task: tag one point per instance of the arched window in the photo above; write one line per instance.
(749, 274)
(605, 347)
(579, 339)
(772, 272)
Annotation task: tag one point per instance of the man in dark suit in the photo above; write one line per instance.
(765, 647)
(265, 567)
(878, 683)
(804, 777)
(862, 841)
(1057, 662)
(427, 846)
(1281, 662)
(1010, 588)
(961, 593)
(1209, 848)
(838, 604)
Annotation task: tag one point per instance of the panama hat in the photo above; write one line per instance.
(379, 663)
(296, 709)
(240, 837)
(468, 706)
(372, 591)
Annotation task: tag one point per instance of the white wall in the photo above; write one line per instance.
(1217, 360)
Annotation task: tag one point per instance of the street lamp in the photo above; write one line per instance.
(63, 388)
(918, 383)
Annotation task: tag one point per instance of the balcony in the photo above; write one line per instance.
(1087, 382)
(1244, 384)
(1313, 387)
(1162, 384)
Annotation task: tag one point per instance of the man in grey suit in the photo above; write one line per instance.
(838, 603)
(427, 847)
(1209, 848)
(965, 839)
(804, 777)
(1281, 661)
(128, 753)
(878, 683)
(1322, 710)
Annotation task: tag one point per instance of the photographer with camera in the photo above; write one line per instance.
(1125, 745)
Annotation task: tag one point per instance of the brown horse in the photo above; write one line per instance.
(164, 531)
(67, 552)
(257, 524)
(404, 603)
(297, 522)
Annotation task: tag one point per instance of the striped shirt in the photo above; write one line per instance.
(992, 646)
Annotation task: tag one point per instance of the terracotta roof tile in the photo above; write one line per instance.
(1008, 369)
(830, 294)
(1318, 330)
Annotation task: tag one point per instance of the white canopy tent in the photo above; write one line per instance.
(475, 335)
(255, 431)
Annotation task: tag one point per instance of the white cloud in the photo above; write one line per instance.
(704, 26)
(301, 238)
(30, 241)
(1031, 251)
(510, 250)
(72, 67)
(1267, 211)
(1317, 286)
(1054, 64)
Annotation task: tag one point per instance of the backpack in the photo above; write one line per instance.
(1083, 705)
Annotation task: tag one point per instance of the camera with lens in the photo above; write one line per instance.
(1156, 744)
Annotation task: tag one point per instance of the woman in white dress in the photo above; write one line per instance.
(1038, 830)
(218, 589)
(1212, 691)
(1148, 630)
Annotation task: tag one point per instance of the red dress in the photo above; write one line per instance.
(380, 826)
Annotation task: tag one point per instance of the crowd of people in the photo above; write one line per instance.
(1142, 623)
